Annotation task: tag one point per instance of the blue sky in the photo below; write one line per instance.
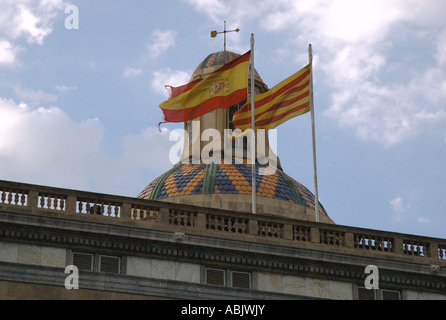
(79, 108)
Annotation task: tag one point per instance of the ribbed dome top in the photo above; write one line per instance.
(217, 59)
(214, 61)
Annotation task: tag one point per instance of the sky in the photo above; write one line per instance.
(79, 106)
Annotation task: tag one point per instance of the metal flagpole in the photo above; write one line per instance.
(253, 144)
(316, 200)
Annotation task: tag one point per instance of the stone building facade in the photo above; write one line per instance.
(127, 248)
(190, 234)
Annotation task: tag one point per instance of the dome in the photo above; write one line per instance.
(228, 185)
(278, 193)
(217, 59)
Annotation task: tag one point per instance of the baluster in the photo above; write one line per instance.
(241, 226)
(236, 225)
(134, 214)
(191, 219)
(22, 199)
(80, 206)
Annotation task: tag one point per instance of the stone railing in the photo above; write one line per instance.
(20, 197)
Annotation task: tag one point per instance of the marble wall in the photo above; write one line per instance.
(29, 254)
(162, 269)
(416, 295)
(304, 286)
(189, 272)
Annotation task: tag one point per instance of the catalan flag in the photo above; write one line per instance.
(223, 88)
(288, 99)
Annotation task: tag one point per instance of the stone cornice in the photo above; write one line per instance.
(108, 282)
(126, 239)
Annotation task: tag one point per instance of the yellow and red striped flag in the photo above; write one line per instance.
(288, 99)
(223, 88)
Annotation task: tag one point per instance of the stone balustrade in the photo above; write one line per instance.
(161, 215)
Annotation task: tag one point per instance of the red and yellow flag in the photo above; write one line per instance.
(288, 99)
(223, 88)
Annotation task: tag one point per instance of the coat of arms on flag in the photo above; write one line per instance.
(219, 86)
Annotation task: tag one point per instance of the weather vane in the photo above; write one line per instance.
(214, 34)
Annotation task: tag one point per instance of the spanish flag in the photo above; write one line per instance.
(288, 99)
(223, 88)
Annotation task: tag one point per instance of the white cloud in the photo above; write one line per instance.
(140, 148)
(398, 208)
(423, 220)
(25, 19)
(215, 9)
(32, 20)
(167, 76)
(130, 72)
(357, 44)
(63, 89)
(397, 204)
(34, 98)
(161, 42)
(44, 146)
(7, 53)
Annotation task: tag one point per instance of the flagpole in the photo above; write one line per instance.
(253, 144)
(316, 200)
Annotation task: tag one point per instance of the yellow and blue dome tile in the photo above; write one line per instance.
(190, 179)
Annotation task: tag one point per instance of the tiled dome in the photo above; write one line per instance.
(214, 61)
(194, 179)
(217, 59)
